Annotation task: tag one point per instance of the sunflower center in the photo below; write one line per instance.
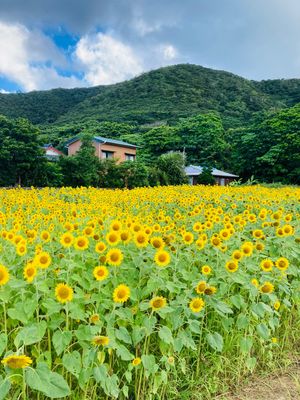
(63, 293)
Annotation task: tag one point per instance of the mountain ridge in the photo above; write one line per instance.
(164, 94)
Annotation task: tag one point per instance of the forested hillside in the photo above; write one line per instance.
(162, 95)
(214, 117)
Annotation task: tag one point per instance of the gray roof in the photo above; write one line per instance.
(195, 170)
(102, 139)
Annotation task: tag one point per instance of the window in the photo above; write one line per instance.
(107, 154)
(129, 157)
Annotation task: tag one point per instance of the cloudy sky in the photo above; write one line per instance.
(68, 43)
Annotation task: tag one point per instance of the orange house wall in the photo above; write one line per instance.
(119, 151)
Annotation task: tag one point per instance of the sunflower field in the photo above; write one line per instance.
(152, 293)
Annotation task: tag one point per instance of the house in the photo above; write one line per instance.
(222, 178)
(51, 153)
(106, 148)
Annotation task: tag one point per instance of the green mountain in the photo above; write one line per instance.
(163, 95)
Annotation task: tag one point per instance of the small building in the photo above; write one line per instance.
(51, 153)
(106, 148)
(222, 178)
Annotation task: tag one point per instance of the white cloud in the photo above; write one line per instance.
(3, 91)
(28, 58)
(169, 52)
(143, 28)
(106, 60)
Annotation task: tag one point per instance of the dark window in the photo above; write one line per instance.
(129, 157)
(107, 154)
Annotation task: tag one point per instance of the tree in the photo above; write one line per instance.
(158, 141)
(82, 168)
(134, 174)
(206, 178)
(171, 167)
(21, 156)
(202, 138)
(269, 149)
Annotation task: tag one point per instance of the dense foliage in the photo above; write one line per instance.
(166, 94)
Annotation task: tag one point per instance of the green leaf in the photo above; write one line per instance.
(149, 324)
(72, 362)
(149, 364)
(222, 308)
(61, 340)
(33, 333)
(3, 342)
(138, 334)
(237, 301)
(250, 363)
(123, 335)
(4, 387)
(246, 344)
(194, 326)
(242, 321)
(124, 353)
(100, 373)
(215, 340)
(263, 331)
(44, 380)
(165, 334)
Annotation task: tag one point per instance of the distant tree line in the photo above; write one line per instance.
(268, 150)
(23, 162)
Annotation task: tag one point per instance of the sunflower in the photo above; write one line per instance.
(188, 238)
(100, 340)
(67, 239)
(29, 272)
(157, 303)
(112, 238)
(88, 231)
(232, 266)
(162, 258)
(100, 273)
(136, 361)
(14, 361)
(100, 247)
(206, 270)
(141, 239)
(63, 293)
(4, 275)
(276, 305)
(43, 260)
(257, 233)
(157, 242)
(94, 318)
(254, 282)
(215, 241)
(210, 290)
(116, 226)
(114, 257)
(259, 246)
(237, 255)
(121, 294)
(45, 236)
(196, 304)
(282, 263)
(21, 249)
(247, 249)
(201, 286)
(267, 287)
(81, 243)
(266, 265)
(125, 236)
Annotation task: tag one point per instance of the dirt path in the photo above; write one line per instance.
(284, 386)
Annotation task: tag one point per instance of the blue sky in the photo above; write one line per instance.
(76, 43)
